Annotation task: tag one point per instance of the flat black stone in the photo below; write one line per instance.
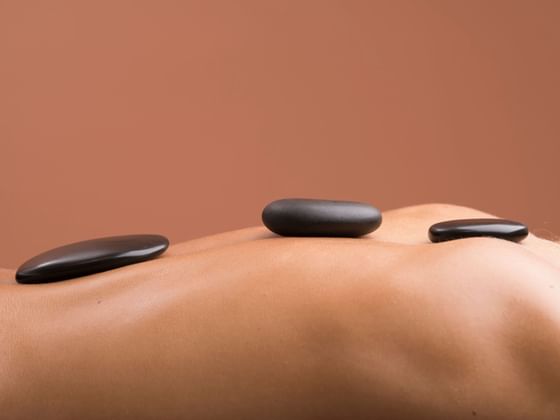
(89, 257)
(470, 228)
(311, 217)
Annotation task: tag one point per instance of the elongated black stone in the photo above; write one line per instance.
(89, 257)
(311, 217)
(469, 228)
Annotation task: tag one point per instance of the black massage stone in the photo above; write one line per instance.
(470, 228)
(89, 257)
(310, 217)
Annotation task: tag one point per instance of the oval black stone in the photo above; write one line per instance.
(470, 228)
(89, 257)
(311, 217)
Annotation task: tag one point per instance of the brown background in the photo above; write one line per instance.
(185, 118)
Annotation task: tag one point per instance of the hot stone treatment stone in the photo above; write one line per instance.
(469, 228)
(89, 257)
(311, 217)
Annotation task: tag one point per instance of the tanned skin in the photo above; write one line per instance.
(250, 325)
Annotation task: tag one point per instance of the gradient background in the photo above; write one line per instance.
(186, 117)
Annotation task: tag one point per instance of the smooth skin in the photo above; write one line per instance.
(250, 325)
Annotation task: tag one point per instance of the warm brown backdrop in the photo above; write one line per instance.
(186, 117)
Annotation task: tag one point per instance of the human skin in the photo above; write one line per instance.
(247, 324)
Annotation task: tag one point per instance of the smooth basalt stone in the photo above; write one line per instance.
(470, 228)
(89, 257)
(311, 217)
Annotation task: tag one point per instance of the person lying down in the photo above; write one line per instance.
(250, 325)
